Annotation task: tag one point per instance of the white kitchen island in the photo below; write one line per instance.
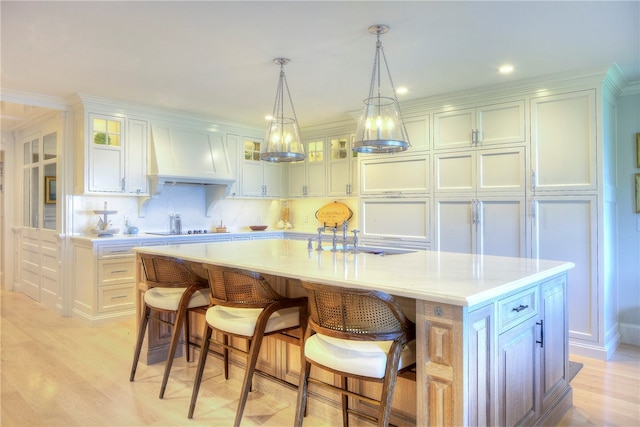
(492, 331)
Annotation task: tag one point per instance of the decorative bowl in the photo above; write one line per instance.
(258, 227)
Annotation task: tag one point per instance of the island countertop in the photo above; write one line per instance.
(450, 278)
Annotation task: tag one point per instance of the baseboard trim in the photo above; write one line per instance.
(630, 333)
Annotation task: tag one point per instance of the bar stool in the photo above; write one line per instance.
(358, 334)
(173, 287)
(246, 306)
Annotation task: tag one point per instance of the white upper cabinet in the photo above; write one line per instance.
(117, 154)
(307, 178)
(418, 131)
(395, 175)
(477, 171)
(259, 178)
(563, 142)
(502, 123)
(342, 166)
(106, 153)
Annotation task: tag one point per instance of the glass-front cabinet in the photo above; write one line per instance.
(260, 179)
(342, 173)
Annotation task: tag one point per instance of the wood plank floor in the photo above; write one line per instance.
(58, 372)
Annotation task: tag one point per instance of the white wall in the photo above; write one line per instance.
(628, 220)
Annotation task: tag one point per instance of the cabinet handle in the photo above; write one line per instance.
(122, 185)
(119, 297)
(118, 271)
(520, 308)
(541, 342)
(533, 180)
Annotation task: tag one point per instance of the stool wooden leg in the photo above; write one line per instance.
(303, 388)
(204, 351)
(141, 332)
(254, 351)
(173, 346)
(345, 402)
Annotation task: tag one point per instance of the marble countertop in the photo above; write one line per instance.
(449, 278)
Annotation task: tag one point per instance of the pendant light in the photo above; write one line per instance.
(282, 142)
(381, 128)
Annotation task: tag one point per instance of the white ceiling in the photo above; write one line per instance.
(216, 58)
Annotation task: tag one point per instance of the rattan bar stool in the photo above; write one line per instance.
(246, 306)
(173, 287)
(358, 334)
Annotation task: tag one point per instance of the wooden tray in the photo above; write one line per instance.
(334, 214)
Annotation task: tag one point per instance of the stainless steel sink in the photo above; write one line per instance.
(374, 250)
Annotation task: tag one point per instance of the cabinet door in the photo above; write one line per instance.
(234, 147)
(564, 228)
(501, 123)
(252, 169)
(455, 172)
(401, 218)
(395, 175)
(455, 226)
(555, 350)
(501, 226)
(296, 178)
(136, 157)
(418, 130)
(518, 370)
(563, 141)
(106, 153)
(481, 368)
(273, 179)
(453, 129)
(501, 169)
(339, 169)
(315, 178)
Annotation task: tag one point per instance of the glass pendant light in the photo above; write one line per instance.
(381, 128)
(282, 142)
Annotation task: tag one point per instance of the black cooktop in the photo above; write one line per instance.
(183, 233)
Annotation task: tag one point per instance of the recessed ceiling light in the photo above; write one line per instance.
(505, 69)
(401, 90)
(268, 117)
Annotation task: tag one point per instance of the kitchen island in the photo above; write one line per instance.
(492, 331)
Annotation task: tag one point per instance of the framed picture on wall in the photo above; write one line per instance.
(638, 193)
(50, 189)
(638, 150)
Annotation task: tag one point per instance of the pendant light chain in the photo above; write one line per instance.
(393, 89)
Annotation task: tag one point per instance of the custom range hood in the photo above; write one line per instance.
(181, 156)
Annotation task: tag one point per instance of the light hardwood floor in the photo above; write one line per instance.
(58, 372)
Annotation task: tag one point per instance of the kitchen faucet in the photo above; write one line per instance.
(344, 234)
(320, 230)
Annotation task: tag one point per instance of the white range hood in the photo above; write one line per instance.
(181, 156)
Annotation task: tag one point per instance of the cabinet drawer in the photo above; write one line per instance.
(116, 297)
(115, 271)
(113, 251)
(517, 308)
